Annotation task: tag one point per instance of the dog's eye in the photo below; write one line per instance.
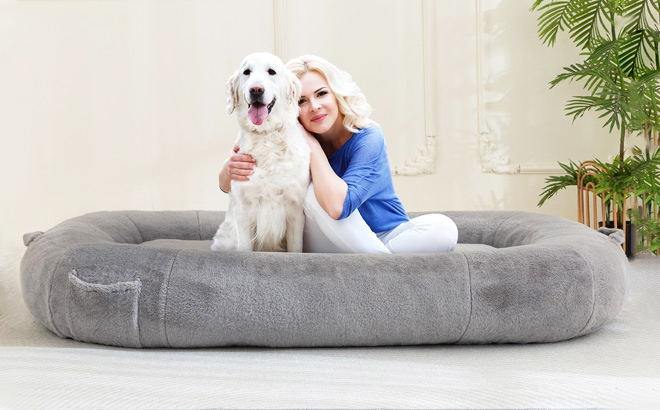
(271, 71)
(247, 72)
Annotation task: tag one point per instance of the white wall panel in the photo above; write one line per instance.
(523, 119)
(381, 44)
(108, 105)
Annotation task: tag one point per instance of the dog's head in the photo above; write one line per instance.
(263, 92)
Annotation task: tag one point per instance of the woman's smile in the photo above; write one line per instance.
(319, 111)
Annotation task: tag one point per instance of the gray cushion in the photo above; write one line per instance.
(149, 279)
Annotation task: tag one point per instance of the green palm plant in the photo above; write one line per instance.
(648, 192)
(647, 182)
(621, 68)
(620, 73)
(556, 183)
(649, 232)
(636, 175)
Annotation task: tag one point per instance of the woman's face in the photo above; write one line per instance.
(319, 112)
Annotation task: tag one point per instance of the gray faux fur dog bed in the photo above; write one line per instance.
(149, 279)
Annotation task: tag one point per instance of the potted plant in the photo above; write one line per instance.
(648, 229)
(647, 215)
(618, 183)
(619, 42)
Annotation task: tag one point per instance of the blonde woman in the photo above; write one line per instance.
(351, 205)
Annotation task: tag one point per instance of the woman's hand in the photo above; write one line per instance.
(237, 167)
(240, 166)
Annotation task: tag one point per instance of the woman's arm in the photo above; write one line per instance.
(238, 167)
(330, 190)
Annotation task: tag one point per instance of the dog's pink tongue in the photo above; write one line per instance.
(257, 113)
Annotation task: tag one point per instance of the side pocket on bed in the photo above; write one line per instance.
(105, 314)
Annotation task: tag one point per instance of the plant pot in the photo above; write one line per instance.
(631, 237)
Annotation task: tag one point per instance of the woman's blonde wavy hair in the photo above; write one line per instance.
(350, 99)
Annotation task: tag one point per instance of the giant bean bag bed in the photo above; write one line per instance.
(149, 279)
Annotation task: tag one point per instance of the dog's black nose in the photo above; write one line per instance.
(256, 91)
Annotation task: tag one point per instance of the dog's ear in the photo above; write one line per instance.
(293, 89)
(232, 92)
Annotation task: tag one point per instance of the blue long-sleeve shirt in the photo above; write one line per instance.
(363, 164)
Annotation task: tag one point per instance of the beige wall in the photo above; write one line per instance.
(111, 105)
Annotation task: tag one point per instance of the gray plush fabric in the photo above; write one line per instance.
(149, 279)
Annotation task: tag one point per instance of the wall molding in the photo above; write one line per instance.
(281, 35)
(492, 151)
(425, 161)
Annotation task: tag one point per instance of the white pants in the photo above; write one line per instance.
(424, 234)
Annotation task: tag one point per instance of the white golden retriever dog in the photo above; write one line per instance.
(265, 213)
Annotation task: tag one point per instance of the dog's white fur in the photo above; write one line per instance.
(265, 213)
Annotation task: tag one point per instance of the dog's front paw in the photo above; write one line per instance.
(224, 239)
(221, 244)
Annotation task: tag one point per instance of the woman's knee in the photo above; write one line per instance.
(440, 231)
(448, 231)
